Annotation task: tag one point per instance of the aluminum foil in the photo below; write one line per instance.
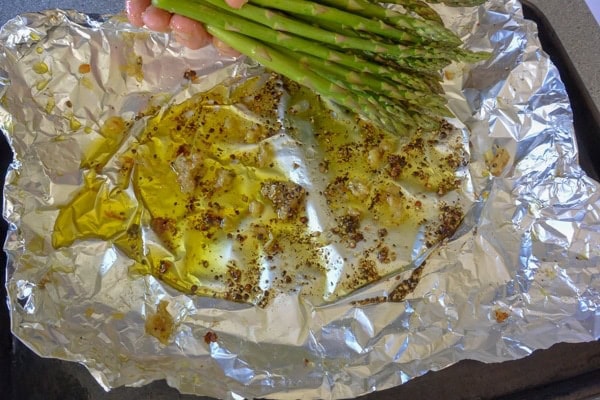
(521, 273)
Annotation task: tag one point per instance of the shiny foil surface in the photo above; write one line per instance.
(521, 273)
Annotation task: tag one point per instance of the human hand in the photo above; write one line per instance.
(186, 31)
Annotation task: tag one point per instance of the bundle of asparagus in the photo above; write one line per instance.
(382, 63)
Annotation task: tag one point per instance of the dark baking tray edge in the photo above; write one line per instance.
(585, 111)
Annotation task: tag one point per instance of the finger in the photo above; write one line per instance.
(156, 19)
(224, 49)
(135, 9)
(188, 32)
(236, 3)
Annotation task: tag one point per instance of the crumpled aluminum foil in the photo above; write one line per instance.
(522, 272)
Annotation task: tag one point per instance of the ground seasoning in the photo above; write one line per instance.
(207, 203)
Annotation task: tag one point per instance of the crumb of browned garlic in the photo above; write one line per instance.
(187, 168)
(161, 324)
(287, 197)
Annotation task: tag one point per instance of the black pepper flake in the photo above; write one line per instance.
(407, 286)
(349, 223)
(397, 163)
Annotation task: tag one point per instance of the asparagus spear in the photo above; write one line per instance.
(361, 7)
(371, 9)
(348, 54)
(280, 63)
(411, 65)
(450, 3)
(456, 3)
(366, 82)
(211, 16)
(281, 22)
(422, 9)
(425, 29)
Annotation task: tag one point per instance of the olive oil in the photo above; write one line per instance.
(211, 199)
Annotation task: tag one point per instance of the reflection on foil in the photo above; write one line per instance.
(521, 273)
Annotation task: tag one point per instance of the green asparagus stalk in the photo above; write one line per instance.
(422, 9)
(456, 3)
(450, 3)
(280, 22)
(412, 65)
(425, 29)
(382, 64)
(366, 82)
(361, 7)
(371, 9)
(282, 64)
(211, 16)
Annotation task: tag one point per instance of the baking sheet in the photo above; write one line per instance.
(529, 274)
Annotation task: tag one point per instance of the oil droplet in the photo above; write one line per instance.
(39, 50)
(74, 124)
(118, 315)
(41, 85)
(50, 105)
(86, 82)
(114, 127)
(34, 36)
(87, 129)
(134, 67)
(40, 68)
